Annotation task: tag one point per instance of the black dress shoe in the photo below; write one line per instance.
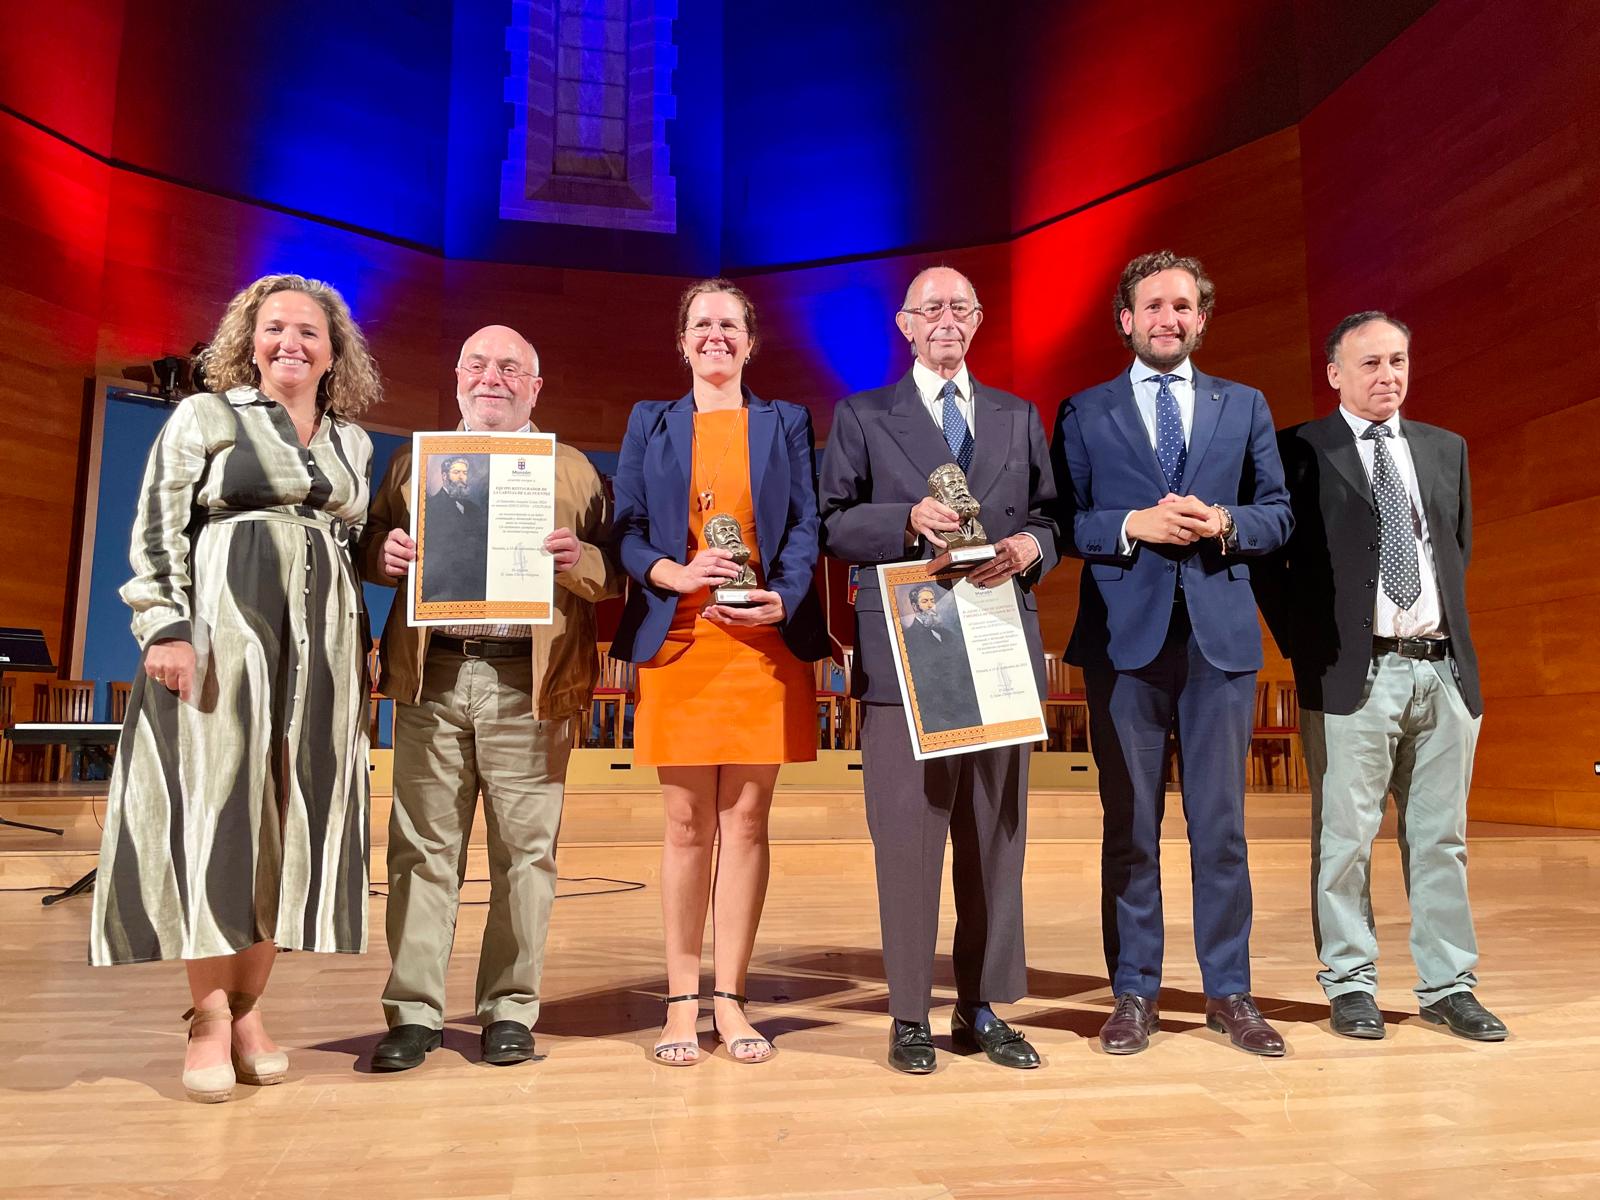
(911, 1047)
(1465, 1016)
(1003, 1044)
(1355, 1015)
(404, 1047)
(1127, 1030)
(507, 1042)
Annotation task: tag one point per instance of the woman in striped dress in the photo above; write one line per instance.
(237, 819)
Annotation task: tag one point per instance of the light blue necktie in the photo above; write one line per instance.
(1170, 450)
(956, 434)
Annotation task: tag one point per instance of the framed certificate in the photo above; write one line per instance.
(962, 658)
(482, 505)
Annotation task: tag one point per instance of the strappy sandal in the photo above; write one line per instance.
(668, 1046)
(208, 1085)
(261, 1070)
(761, 1055)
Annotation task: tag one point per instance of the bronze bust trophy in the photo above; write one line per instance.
(969, 545)
(724, 533)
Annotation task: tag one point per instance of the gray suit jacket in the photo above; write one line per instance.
(881, 450)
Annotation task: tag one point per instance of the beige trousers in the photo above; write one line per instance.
(472, 729)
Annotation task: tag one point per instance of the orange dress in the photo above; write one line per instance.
(723, 694)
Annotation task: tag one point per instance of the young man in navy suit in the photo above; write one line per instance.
(1169, 483)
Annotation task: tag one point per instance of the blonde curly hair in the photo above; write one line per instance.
(352, 382)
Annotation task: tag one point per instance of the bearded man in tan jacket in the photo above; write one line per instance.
(490, 708)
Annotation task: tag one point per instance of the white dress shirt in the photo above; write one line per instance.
(1425, 618)
(930, 387)
(1144, 395)
(469, 630)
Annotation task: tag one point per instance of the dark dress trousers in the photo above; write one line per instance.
(1318, 593)
(882, 448)
(652, 520)
(1157, 655)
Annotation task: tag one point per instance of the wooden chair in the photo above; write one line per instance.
(1275, 736)
(832, 703)
(66, 701)
(117, 693)
(1066, 709)
(850, 707)
(613, 694)
(8, 691)
(375, 699)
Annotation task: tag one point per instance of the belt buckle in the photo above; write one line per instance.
(467, 645)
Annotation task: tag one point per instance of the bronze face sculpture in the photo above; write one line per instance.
(724, 533)
(948, 485)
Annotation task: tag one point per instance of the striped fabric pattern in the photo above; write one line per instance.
(242, 815)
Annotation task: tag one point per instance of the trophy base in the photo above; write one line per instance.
(734, 597)
(961, 558)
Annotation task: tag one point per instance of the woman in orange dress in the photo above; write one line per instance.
(726, 694)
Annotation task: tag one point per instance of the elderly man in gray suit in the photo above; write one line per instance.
(876, 508)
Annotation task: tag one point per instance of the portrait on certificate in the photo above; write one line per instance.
(962, 659)
(482, 505)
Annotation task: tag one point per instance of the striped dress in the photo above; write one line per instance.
(241, 816)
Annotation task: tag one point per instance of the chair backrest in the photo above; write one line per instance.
(614, 673)
(1058, 680)
(71, 700)
(117, 693)
(8, 696)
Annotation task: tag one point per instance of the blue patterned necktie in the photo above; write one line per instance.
(1397, 559)
(956, 434)
(1170, 450)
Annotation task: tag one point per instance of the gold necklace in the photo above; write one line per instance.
(708, 498)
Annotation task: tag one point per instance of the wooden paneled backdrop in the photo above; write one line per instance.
(1454, 179)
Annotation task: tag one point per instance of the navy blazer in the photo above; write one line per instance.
(652, 518)
(1105, 467)
(882, 448)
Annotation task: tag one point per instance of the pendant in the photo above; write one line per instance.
(706, 500)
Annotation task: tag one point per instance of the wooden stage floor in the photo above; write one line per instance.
(90, 1102)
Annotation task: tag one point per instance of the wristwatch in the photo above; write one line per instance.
(1227, 527)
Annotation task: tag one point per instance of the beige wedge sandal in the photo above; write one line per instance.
(208, 1085)
(262, 1070)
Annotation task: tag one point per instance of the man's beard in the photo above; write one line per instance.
(456, 491)
(927, 618)
(1147, 353)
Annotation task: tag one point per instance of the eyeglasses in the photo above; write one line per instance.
(730, 329)
(510, 371)
(961, 310)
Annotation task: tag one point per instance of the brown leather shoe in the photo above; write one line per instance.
(1128, 1029)
(1238, 1017)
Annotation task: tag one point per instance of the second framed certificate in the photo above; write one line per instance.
(963, 662)
(482, 505)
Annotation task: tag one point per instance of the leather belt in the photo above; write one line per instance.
(485, 647)
(1433, 649)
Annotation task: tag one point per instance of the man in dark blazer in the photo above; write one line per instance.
(1368, 600)
(876, 508)
(936, 654)
(455, 538)
(1169, 484)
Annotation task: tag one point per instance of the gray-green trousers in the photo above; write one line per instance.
(1414, 736)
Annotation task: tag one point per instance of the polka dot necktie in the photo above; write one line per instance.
(1170, 450)
(956, 434)
(1397, 565)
